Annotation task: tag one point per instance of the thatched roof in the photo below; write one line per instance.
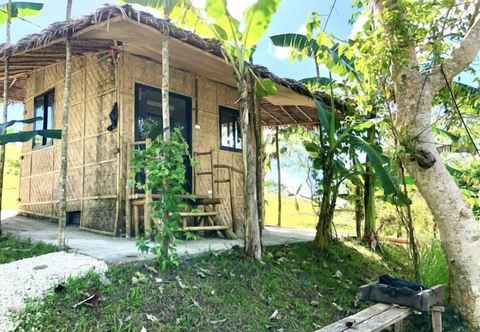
(47, 47)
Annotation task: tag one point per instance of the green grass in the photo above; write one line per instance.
(220, 293)
(13, 249)
(299, 213)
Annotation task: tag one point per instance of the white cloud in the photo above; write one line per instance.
(280, 52)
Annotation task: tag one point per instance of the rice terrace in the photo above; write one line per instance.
(256, 165)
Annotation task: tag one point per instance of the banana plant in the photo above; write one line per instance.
(331, 149)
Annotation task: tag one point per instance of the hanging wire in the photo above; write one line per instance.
(457, 109)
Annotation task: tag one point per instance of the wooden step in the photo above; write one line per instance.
(198, 214)
(204, 173)
(205, 228)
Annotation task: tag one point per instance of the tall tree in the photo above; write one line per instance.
(62, 204)
(9, 11)
(415, 63)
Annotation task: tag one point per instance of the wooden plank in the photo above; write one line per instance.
(361, 316)
(437, 318)
(383, 320)
(198, 214)
(205, 228)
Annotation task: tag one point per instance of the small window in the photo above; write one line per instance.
(43, 107)
(230, 133)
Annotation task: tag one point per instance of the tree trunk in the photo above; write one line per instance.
(259, 170)
(166, 89)
(253, 246)
(359, 211)
(4, 117)
(323, 235)
(369, 197)
(62, 204)
(279, 180)
(459, 231)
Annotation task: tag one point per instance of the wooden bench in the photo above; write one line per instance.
(373, 319)
(380, 317)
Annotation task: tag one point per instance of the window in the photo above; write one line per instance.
(230, 133)
(43, 107)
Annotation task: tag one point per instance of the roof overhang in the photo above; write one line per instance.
(141, 34)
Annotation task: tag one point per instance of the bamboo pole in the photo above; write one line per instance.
(279, 180)
(62, 204)
(5, 108)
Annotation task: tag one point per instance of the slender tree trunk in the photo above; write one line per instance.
(410, 227)
(323, 235)
(279, 180)
(253, 246)
(62, 204)
(359, 211)
(4, 117)
(166, 114)
(369, 197)
(259, 169)
(166, 88)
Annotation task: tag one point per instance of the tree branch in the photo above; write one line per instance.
(461, 57)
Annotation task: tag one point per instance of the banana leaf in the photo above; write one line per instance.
(20, 9)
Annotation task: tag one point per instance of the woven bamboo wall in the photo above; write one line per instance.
(92, 158)
(95, 166)
(211, 95)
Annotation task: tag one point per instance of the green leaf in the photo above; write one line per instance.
(257, 18)
(446, 134)
(364, 125)
(218, 12)
(20, 9)
(266, 87)
(376, 160)
(323, 115)
(297, 41)
(24, 136)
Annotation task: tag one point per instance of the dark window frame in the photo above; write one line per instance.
(227, 112)
(45, 117)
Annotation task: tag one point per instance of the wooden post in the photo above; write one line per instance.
(253, 246)
(5, 108)
(437, 318)
(165, 89)
(62, 204)
(279, 180)
(147, 218)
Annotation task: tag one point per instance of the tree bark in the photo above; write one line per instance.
(359, 211)
(259, 169)
(414, 91)
(459, 231)
(166, 88)
(62, 204)
(323, 235)
(369, 197)
(253, 246)
(4, 117)
(279, 180)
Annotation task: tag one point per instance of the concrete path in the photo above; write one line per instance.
(114, 250)
(31, 278)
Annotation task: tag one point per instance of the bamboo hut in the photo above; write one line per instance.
(116, 79)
